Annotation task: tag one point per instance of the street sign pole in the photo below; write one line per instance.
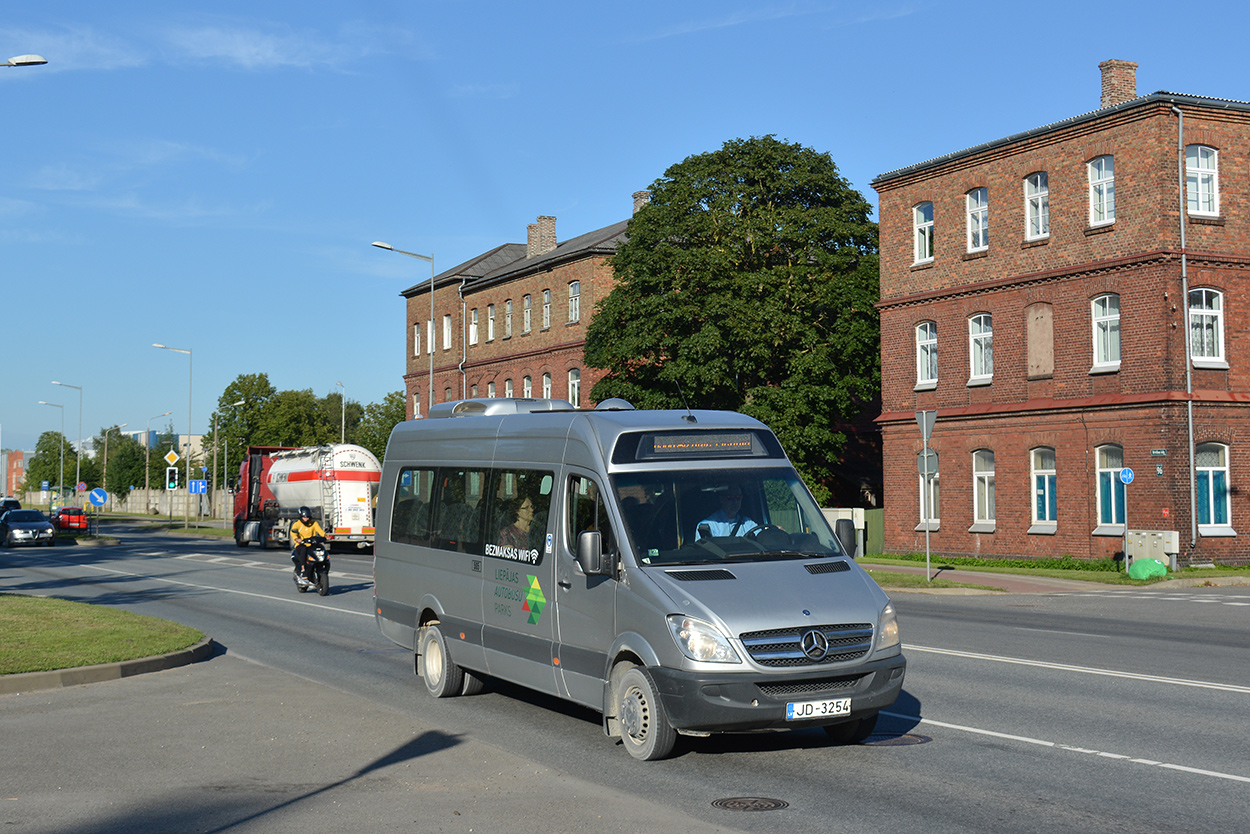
(1126, 478)
(925, 420)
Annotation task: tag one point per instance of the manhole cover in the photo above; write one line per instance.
(903, 740)
(750, 803)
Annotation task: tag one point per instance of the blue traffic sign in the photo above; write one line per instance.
(1126, 475)
(199, 487)
(98, 497)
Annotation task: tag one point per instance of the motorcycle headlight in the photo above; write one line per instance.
(701, 641)
(887, 633)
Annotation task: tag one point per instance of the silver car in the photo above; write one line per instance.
(21, 527)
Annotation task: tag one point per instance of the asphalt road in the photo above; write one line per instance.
(1102, 710)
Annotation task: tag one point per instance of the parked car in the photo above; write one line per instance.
(18, 527)
(7, 504)
(69, 518)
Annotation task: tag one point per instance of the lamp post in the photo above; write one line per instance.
(186, 521)
(147, 464)
(106, 454)
(429, 337)
(78, 456)
(25, 61)
(342, 413)
(61, 484)
(224, 470)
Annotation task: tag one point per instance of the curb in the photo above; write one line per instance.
(58, 678)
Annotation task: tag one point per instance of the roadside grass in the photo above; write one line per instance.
(44, 633)
(1079, 570)
(896, 579)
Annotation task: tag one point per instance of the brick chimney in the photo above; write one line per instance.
(641, 198)
(1119, 82)
(541, 237)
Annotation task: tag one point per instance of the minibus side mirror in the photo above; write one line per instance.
(590, 553)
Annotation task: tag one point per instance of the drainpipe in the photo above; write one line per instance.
(1189, 379)
(464, 341)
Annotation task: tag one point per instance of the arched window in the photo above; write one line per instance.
(1110, 489)
(930, 491)
(926, 355)
(1036, 206)
(575, 387)
(1105, 316)
(1045, 499)
(575, 300)
(1211, 463)
(983, 488)
(1206, 327)
(981, 348)
(922, 227)
(1202, 180)
(1101, 190)
(978, 219)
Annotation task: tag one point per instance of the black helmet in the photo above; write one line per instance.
(304, 512)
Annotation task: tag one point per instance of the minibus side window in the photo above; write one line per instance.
(410, 514)
(587, 511)
(458, 510)
(520, 507)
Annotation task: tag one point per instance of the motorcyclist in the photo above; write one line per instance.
(303, 529)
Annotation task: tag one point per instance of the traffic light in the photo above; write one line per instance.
(171, 477)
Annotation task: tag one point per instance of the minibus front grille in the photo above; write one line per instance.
(700, 575)
(811, 687)
(808, 645)
(836, 566)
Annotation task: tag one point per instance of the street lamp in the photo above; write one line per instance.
(186, 521)
(429, 337)
(147, 464)
(225, 468)
(25, 61)
(106, 454)
(61, 485)
(342, 413)
(77, 457)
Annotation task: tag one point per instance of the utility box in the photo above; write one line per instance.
(1163, 545)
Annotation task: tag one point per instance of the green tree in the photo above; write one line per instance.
(379, 418)
(45, 464)
(748, 284)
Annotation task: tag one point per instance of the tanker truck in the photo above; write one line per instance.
(337, 483)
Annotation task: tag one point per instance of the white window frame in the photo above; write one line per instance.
(490, 390)
(527, 306)
(1101, 190)
(473, 326)
(930, 497)
(527, 387)
(546, 386)
(922, 232)
(981, 349)
(575, 387)
(416, 338)
(1202, 180)
(1104, 314)
(1213, 491)
(546, 309)
(507, 388)
(983, 515)
(977, 202)
(1109, 460)
(447, 331)
(416, 405)
(1206, 328)
(1037, 206)
(490, 322)
(507, 319)
(926, 356)
(575, 301)
(1044, 501)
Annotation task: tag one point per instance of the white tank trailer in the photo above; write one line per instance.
(337, 482)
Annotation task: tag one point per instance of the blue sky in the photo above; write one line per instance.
(210, 175)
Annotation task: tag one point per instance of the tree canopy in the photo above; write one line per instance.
(748, 283)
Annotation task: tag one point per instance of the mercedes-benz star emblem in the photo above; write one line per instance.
(815, 644)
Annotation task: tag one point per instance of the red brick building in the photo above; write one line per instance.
(1073, 301)
(511, 322)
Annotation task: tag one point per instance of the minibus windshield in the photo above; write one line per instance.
(709, 516)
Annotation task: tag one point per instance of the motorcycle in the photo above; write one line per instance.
(316, 573)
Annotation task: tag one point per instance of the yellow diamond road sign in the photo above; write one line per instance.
(172, 457)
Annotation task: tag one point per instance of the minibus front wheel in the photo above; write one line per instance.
(645, 730)
(443, 676)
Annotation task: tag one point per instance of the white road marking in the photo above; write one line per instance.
(1071, 749)
(1086, 670)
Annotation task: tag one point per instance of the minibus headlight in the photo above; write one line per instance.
(887, 634)
(701, 641)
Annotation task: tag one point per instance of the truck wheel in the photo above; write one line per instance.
(443, 677)
(472, 683)
(239, 541)
(851, 732)
(645, 731)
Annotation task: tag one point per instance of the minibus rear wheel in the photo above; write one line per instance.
(443, 677)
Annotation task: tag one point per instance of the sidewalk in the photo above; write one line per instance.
(1021, 584)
